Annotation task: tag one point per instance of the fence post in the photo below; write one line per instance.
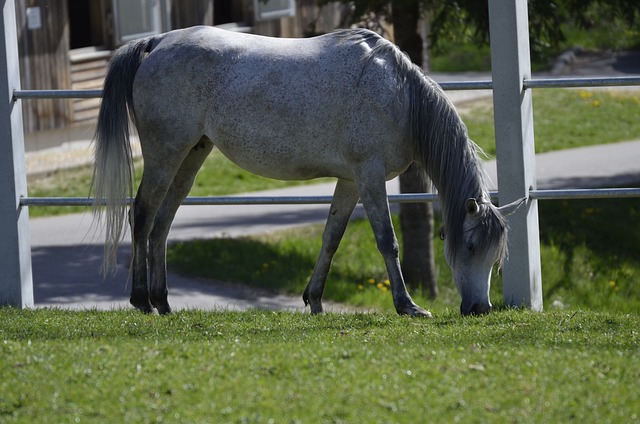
(16, 284)
(513, 115)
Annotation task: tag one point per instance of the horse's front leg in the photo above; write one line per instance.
(374, 198)
(345, 198)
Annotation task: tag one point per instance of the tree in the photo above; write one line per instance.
(416, 219)
(453, 19)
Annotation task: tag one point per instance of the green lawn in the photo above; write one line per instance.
(261, 367)
(566, 119)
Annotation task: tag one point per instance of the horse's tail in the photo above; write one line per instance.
(112, 182)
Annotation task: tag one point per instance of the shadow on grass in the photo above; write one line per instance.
(590, 253)
(609, 228)
(243, 260)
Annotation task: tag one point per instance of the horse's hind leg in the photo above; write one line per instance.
(159, 169)
(374, 199)
(179, 189)
(152, 190)
(345, 199)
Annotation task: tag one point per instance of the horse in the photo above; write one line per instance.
(348, 104)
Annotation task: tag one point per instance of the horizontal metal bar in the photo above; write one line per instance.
(466, 85)
(56, 94)
(56, 201)
(229, 200)
(257, 200)
(581, 82)
(299, 200)
(446, 85)
(88, 94)
(600, 193)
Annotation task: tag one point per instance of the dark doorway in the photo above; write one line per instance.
(227, 11)
(223, 12)
(85, 23)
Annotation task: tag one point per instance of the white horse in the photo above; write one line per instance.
(348, 105)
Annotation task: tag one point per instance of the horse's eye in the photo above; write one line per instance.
(470, 247)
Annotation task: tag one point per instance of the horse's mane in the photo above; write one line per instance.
(441, 145)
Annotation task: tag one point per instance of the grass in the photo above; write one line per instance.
(565, 119)
(255, 367)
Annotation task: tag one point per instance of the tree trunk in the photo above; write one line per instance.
(416, 219)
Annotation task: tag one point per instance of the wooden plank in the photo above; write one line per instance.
(43, 56)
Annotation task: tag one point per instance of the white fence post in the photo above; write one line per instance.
(16, 284)
(510, 63)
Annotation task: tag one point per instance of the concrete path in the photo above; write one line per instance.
(66, 252)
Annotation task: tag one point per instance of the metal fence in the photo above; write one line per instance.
(516, 170)
(402, 198)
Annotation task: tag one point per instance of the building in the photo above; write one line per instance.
(65, 44)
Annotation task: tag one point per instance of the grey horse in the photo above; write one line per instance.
(347, 105)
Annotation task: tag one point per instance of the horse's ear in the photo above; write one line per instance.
(472, 206)
(510, 208)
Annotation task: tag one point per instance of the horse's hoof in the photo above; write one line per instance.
(316, 309)
(164, 309)
(142, 306)
(414, 311)
(141, 303)
(315, 305)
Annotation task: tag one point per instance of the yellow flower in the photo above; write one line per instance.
(371, 281)
(585, 94)
(595, 103)
(387, 282)
(360, 287)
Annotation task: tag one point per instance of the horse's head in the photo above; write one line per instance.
(482, 244)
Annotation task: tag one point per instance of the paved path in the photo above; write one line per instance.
(66, 253)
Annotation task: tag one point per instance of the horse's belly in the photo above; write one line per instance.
(283, 162)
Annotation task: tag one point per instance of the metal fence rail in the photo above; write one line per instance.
(601, 193)
(446, 85)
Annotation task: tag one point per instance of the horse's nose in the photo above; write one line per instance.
(475, 308)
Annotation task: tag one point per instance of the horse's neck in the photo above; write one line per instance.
(462, 175)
